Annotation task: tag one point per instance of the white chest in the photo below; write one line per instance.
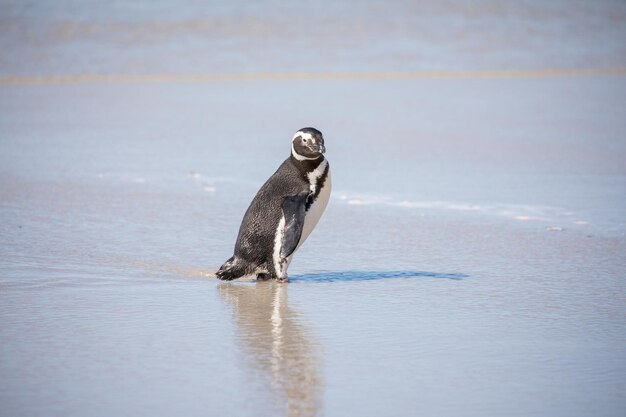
(316, 210)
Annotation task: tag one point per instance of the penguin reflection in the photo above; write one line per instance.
(278, 344)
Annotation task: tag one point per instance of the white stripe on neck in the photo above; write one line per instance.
(315, 175)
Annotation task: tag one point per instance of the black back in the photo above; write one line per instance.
(255, 241)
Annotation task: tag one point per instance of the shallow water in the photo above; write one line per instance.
(470, 262)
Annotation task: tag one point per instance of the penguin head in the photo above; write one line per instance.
(308, 143)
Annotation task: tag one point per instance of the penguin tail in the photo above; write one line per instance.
(232, 269)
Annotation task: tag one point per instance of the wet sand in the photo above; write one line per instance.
(470, 262)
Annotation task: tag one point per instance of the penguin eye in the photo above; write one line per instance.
(304, 140)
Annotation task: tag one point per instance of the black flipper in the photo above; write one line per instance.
(293, 210)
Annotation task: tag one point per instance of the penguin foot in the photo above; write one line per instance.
(263, 277)
(283, 279)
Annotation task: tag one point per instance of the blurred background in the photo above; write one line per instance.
(471, 260)
(176, 38)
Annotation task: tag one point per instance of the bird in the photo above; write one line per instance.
(283, 213)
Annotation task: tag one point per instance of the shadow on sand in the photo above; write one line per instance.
(333, 276)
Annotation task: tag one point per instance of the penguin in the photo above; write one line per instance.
(283, 213)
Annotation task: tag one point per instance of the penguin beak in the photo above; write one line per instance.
(317, 147)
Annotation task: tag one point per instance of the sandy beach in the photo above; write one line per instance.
(470, 262)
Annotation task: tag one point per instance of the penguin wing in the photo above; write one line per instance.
(293, 211)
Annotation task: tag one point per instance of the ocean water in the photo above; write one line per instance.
(470, 262)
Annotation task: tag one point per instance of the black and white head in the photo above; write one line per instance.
(307, 144)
